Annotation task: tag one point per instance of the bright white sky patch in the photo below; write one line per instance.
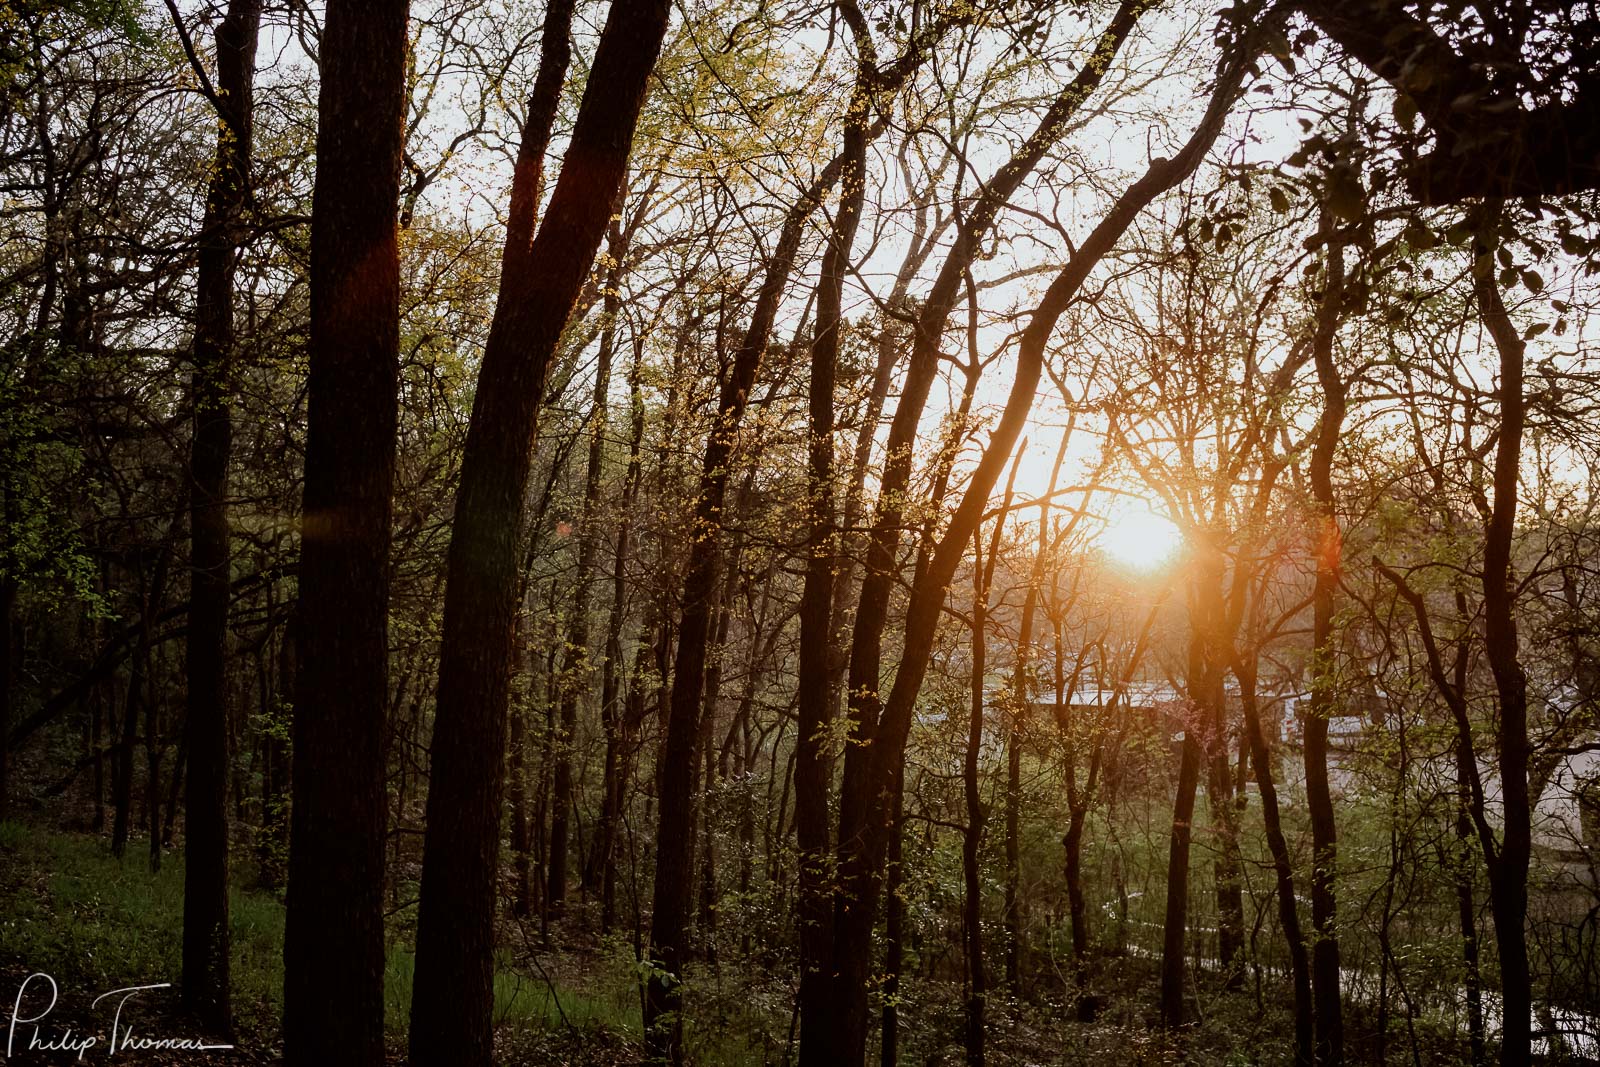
(1137, 537)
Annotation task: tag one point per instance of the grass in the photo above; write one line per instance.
(73, 909)
(519, 1000)
(68, 908)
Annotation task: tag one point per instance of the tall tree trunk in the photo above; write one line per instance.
(333, 945)
(1244, 669)
(453, 998)
(206, 978)
(894, 931)
(674, 860)
(814, 695)
(1319, 799)
(1508, 871)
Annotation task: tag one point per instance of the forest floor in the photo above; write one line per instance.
(71, 911)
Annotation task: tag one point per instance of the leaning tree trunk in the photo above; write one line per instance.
(845, 1023)
(206, 980)
(1244, 670)
(333, 945)
(453, 998)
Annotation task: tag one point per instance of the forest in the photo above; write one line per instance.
(800, 533)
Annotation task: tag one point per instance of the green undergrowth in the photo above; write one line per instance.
(70, 909)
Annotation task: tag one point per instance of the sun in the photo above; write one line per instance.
(1137, 537)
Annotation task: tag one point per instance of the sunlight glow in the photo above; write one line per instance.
(1137, 537)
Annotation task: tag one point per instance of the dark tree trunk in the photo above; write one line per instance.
(972, 833)
(1177, 910)
(894, 931)
(152, 769)
(453, 998)
(122, 770)
(674, 860)
(180, 765)
(814, 695)
(97, 713)
(1508, 871)
(153, 595)
(1244, 670)
(206, 979)
(1224, 814)
(272, 846)
(334, 946)
(1467, 920)
(1319, 799)
(8, 600)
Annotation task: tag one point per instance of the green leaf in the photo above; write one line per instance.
(1420, 237)
(1405, 111)
(1346, 197)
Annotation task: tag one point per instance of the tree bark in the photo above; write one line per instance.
(1319, 799)
(674, 859)
(206, 978)
(1244, 669)
(453, 998)
(333, 947)
(813, 762)
(1177, 907)
(1508, 871)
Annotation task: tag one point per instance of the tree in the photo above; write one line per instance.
(205, 895)
(452, 1001)
(334, 944)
